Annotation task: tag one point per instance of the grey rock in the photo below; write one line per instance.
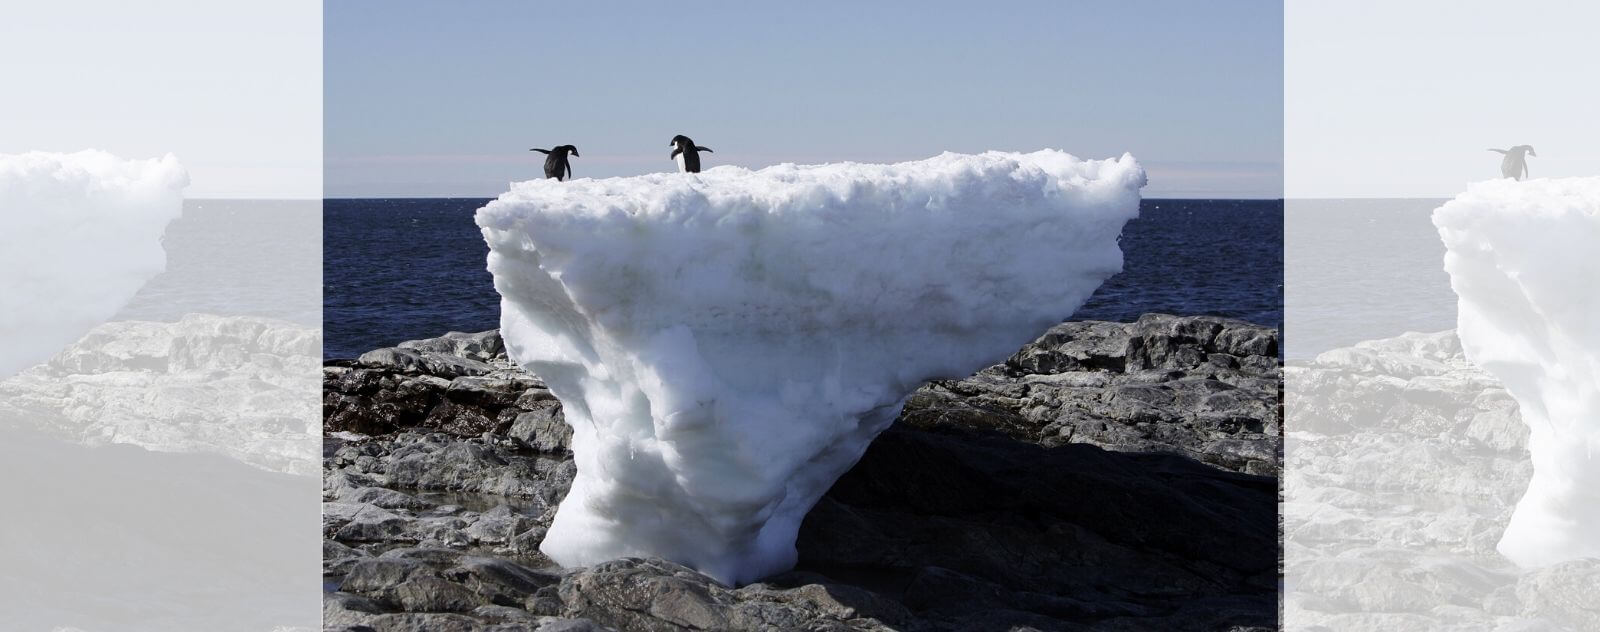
(441, 580)
(1416, 384)
(546, 601)
(384, 498)
(1075, 346)
(235, 386)
(360, 522)
(425, 622)
(1563, 593)
(542, 427)
(985, 506)
(337, 558)
(498, 527)
(459, 383)
(498, 614)
(656, 595)
(486, 346)
(379, 574)
(501, 581)
(426, 362)
(491, 391)
(1199, 386)
(345, 609)
(572, 625)
(1405, 468)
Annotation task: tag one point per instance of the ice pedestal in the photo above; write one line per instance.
(1522, 258)
(726, 344)
(79, 235)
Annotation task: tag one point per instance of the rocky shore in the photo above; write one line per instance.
(157, 477)
(1108, 476)
(239, 386)
(1404, 465)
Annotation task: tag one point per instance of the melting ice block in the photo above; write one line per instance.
(1522, 259)
(726, 344)
(79, 235)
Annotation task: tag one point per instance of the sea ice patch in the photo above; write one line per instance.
(79, 235)
(1521, 258)
(726, 344)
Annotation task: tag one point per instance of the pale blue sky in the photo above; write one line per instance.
(1406, 105)
(233, 89)
(444, 99)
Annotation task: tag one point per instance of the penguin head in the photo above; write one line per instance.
(1527, 148)
(569, 149)
(680, 141)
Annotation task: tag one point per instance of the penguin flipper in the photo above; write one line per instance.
(569, 171)
(704, 149)
(1498, 151)
(542, 151)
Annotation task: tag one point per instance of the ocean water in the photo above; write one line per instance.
(402, 269)
(1362, 269)
(238, 258)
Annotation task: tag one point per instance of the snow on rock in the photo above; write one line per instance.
(726, 344)
(1521, 258)
(79, 235)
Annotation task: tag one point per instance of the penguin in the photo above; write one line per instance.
(555, 161)
(687, 154)
(1515, 164)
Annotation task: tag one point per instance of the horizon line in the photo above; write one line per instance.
(491, 197)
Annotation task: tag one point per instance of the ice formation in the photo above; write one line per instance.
(1521, 258)
(79, 235)
(726, 344)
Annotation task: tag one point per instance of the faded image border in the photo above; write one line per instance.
(160, 350)
(1440, 377)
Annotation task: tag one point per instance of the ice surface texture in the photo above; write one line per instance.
(726, 344)
(1522, 260)
(79, 235)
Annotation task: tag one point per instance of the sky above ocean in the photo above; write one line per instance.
(432, 99)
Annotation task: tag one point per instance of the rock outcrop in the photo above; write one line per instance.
(1107, 476)
(459, 383)
(1205, 388)
(1401, 473)
(238, 386)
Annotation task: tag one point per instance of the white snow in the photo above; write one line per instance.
(79, 235)
(1524, 259)
(726, 344)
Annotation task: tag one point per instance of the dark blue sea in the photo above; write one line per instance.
(1363, 269)
(238, 258)
(401, 269)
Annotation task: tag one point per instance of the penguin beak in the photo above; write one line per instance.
(1531, 152)
(575, 153)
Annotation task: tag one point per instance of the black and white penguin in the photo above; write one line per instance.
(687, 154)
(555, 161)
(1515, 163)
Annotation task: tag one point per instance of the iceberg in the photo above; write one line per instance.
(726, 344)
(1521, 258)
(79, 235)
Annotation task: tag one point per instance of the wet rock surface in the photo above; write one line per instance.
(1108, 476)
(1402, 472)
